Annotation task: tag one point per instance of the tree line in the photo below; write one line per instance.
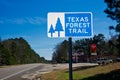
(17, 51)
(111, 46)
(104, 47)
(113, 12)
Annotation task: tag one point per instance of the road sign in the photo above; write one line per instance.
(70, 24)
(93, 48)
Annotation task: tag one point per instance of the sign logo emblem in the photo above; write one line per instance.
(70, 24)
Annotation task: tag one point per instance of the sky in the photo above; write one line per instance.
(28, 19)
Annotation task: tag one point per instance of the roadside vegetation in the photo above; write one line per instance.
(105, 46)
(17, 51)
(106, 72)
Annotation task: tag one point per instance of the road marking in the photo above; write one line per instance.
(18, 72)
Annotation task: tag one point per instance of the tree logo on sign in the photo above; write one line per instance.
(58, 28)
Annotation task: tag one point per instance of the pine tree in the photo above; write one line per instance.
(58, 26)
(51, 30)
(113, 12)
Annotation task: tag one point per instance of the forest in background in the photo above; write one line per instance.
(110, 46)
(104, 47)
(18, 51)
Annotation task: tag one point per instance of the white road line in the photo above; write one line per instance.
(18, 72)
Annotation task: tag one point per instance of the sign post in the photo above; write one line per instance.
(70, 59)
(70, 24)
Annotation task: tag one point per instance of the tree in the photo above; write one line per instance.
(58, 27)
(51, 30)
(54, 57)
(17, 51)
(118, 28)
(61, 52)
(84, 44)
(100, 42)
(4, 55)
(113, 12)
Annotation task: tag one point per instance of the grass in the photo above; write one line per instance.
(86, 73)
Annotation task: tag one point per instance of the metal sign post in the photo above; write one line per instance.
(70, 59)
(70, 24)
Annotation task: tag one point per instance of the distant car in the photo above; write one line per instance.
(102, 61)
(110, 60)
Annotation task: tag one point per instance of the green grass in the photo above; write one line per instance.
(84, 73)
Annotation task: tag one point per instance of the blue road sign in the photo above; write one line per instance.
(70, 24)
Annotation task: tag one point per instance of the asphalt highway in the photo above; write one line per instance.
(15, 72)
(30, 71)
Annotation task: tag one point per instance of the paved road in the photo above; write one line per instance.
(30, 71)
(9, 72)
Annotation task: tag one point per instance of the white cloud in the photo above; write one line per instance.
(28, 20)
(19, 21)
(35, 20)
(12, 20)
